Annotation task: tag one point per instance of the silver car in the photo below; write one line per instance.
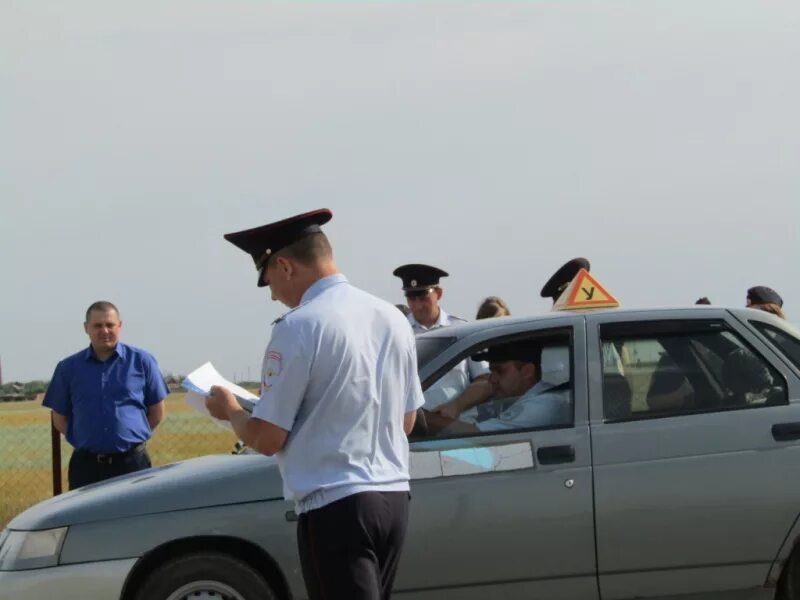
(676, 475)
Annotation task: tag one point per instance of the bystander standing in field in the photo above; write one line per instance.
(106, 399)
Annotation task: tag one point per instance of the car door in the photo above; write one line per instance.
(695, 485)
(504, 514)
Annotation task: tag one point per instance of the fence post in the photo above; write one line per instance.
(55, 448)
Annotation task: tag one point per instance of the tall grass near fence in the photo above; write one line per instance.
(25, 454)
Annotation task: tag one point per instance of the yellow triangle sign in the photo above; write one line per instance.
(584, 291)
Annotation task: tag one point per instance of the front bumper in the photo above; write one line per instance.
(95, 580)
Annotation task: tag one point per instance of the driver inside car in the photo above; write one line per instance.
(515, 372)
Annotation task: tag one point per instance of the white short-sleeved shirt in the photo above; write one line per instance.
(339, 374)
(455, 381)
(540, 406)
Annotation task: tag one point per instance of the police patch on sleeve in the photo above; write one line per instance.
(273, 364)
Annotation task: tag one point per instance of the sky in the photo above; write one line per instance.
(495, 140)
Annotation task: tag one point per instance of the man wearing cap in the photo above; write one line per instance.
(516, 373)
(465, 385)
(106, 399)
(339, 394)
(763, 298)
(423, 292)
(559, 280)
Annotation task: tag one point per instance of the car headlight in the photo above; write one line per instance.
(30, 549)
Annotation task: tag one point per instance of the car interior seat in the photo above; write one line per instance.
(616, 396)
(669, 389)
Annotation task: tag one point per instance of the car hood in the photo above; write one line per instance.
(196, 483)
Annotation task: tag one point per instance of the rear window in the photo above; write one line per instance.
(429, 347)
(786, 343)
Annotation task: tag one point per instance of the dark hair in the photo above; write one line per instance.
(102, 306)
(309, 249)
(493, 306)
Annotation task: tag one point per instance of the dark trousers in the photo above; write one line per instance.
(350, 549)
(86, 468)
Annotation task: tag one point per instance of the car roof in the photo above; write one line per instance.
(480, 326)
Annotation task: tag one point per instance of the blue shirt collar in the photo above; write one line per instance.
(119, 350)
(321, 285)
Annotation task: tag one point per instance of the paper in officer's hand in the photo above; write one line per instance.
(198, 386)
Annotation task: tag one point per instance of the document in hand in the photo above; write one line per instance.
(198, 386)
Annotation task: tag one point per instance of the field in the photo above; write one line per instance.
(25, 454)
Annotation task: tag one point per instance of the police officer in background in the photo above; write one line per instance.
(559, 280)
(466, 385)
(764, 298)
(340, 392)
(106, 399)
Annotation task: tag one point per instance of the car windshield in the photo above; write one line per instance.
(431, 346)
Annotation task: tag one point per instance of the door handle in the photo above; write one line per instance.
(784, 432)
(552, 455)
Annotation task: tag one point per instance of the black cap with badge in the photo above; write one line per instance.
(561, 278)
(419, 279)
(761, 294)
(262, 242)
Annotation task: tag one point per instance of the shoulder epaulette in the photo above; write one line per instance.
(287, 313)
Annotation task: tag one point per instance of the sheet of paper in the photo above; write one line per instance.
(198, 386)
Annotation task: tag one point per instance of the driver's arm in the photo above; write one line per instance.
(440, 425)
(477, 392)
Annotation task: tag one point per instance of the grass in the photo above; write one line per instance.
(25, 453)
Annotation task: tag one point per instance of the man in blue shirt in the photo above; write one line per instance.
(106, 399)
(339, 394)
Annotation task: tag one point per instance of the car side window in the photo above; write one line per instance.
(786, 343)
(517, 384)
(699, 367)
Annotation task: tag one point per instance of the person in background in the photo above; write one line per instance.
(763, 298)
(559, 280)
(466, 384)
(703, 300)
(491, 307)
(106, 399)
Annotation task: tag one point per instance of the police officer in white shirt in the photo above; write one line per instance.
(466, 383)
(339, 394)
(559, 280)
